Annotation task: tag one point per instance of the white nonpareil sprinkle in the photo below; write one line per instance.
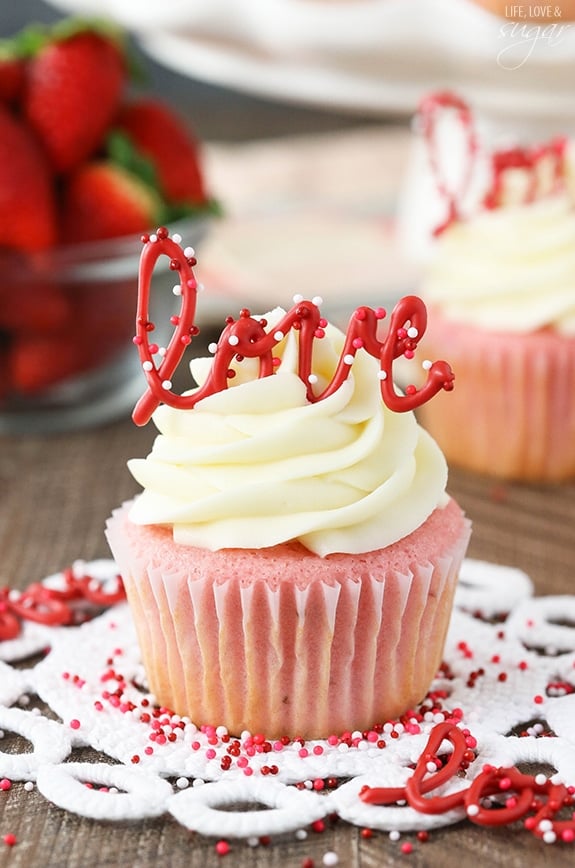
(167, 385)
(147, 366)
(348, 359)
(279, 335)
(382, 375)
(182, 783)
(312, 378)
(330, 858)
(212, 347)
(253, 841)
(177, 289)
(426, 364)
(153, 237)
(472, 810)
(233, 340)
(301, 834)
(297, 298)
(177, 237)
(549, 837)
(189, 252)
(394, 835)
(317, 300)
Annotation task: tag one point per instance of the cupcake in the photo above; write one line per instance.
(500, 288)
(292, 559)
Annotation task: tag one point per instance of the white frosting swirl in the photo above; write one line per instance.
(509, 270)
(257, 464)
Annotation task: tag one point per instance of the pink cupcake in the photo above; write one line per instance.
(292, 560)
(500, 288)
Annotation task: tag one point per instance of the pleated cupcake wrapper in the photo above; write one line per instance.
(512, 412)
(289, 661)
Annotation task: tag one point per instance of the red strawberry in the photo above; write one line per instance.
(12, 76)
(158, 133)
(103, 200)
(37, 307)
(27, 208)
(72, 94)
(36, 363)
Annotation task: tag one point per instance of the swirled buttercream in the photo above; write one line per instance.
(258, 464)
(511, 269)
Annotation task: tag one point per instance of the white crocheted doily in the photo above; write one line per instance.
(508, 680)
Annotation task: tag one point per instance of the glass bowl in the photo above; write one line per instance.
(67, 319)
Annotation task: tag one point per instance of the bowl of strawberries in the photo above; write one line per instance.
(86, 169)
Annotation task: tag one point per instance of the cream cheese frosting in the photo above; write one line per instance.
(258, 464)
(510, 269)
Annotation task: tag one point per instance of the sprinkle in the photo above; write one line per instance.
(167, 385)
(312, 378)
(153, 237)
(394, 835)
(472, 810)
(177, 290)
(222, 848)
(382, 375)
(212, 347)
(75, 724)
(279, 335)
(148, 366)
(348, 359)
(5, 784)
(317, 300)
(177, 237)
(426, 364)
(233, 340)
(330, 858)
(407, 848)
(10, 840)
(29, 786)
(301, 834)
(412, 332)
(297, 298)
(189, 252)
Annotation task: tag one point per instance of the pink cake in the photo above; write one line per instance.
(281, 641)
(292, 559)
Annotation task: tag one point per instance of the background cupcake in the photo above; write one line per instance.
(500, 284)
(291, 562)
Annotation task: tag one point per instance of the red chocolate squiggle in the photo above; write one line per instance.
(51, 606)
(528, 159)
(520, 793)
(246, 337)
(430, 111)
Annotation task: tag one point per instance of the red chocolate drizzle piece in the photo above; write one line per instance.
(516, 794)
(430, 110)
(529, 160)
(246, 337)
(54, 606)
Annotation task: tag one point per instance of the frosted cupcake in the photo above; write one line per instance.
(292, 560)
(500, 287)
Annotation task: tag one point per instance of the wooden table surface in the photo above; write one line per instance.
(55, 495)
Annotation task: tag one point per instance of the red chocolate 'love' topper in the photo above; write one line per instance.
(247, 337)
(529, 159)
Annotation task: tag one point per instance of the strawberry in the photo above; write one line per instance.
(159, 134)
(38, 362)
(73, 90)
(36, 307)
(103, 200)
(12, 76)
(27, 207)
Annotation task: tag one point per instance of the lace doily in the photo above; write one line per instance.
(508, 683)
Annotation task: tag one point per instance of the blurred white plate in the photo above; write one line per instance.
(369, 56)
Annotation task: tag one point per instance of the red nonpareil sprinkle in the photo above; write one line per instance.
(222, 848)
(75, 724)
(538, 699)
(367, 833)
(5, 784)
(10, 839)
(407, 848)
